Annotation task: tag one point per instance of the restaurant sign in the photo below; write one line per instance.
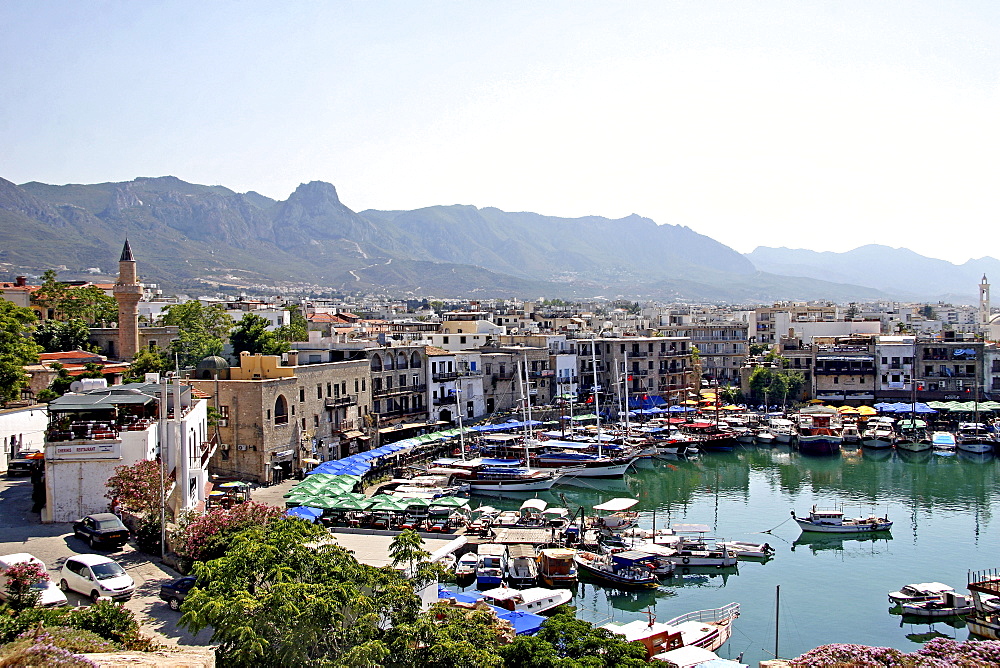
(85, 451)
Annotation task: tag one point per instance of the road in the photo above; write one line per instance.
(21, 531)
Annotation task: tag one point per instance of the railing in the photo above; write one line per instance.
(445, 401)
(712, 616)
(445, 376)
(343, 400)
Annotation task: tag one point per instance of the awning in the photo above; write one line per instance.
(615, 505)
(353, 434)
(283, 453)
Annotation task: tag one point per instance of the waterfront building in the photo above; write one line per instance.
(649, 366)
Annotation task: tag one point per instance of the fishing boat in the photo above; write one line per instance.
(704, 629)
(974, 437)
(630, 569)
(764, 436)
(919, 592)
(572, 458)
(619, 515)
(711, 437)
(984, 620)
(491, 565)
(833, 521)
(850, 433)
(536, 600)
(557, 567)
(950, 604)
(819, 431)
(688, 545)
(745, 550)
(522, 566)
(783, 430)
(879, 434)
(913, 436)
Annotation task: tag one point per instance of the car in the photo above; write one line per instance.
(174, 592)
(24, 463)
(103, 529)
(96, 576)
(49, 595)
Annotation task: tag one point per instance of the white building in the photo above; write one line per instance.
(22, 429)
(93, 433)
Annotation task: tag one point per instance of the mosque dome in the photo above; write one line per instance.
(213, 366)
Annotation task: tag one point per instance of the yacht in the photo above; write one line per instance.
(536, 600)
(878, 433)
(974, 437)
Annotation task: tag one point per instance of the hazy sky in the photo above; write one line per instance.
(823, 125)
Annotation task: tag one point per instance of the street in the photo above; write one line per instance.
(21, 531)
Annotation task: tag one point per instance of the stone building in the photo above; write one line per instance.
(653, 366)
(275, 416)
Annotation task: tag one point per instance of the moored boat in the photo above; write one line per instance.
(522, 566)
(745, 550)
(536, 600)
(556, 567)
(913, 436)
(704, 629)
(491, 565)
(819, 431)
(878, 433)
(833, 521)
(949, 605)
(629, 570)
(465, 569)
(974, 437)
(919, 592)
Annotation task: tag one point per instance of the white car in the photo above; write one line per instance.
(96, 576)
(49, 595)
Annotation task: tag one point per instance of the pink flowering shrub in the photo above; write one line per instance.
(20, 578)
(137, 488)
(203, 536)
(938, 653)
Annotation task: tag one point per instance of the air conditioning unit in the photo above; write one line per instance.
(224, 446)
(241, 446)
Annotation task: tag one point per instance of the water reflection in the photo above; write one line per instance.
(871, 543)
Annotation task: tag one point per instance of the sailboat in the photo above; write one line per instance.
(973, 436)
(913, 434)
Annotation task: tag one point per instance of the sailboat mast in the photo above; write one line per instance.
(527, 400)
(597, 406)
(625, 393)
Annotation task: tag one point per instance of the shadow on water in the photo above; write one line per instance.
(816, 542)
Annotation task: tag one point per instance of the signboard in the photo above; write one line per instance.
(90, 450)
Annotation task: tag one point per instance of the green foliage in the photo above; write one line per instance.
(758, 349)
(17, 349)
(407, 547)
(88, 303)
(148, 535)
(55, 336)
(202, 330)
(146, 360)
(772, 385)
(251, 335)
(205, 536)
(21, 578)
(112, 621)
(446, 637)
(272, 600)
(46, 395)
(588, 645)
(60, 384)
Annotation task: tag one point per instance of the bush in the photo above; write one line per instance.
(206, 536)
(147, 536)
(13, 623)
(21, 578)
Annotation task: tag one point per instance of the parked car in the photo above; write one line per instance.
(96, 576)
(102, 529)
(49, 595)
(174, 592)
(24, 463)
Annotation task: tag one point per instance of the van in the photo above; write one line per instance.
(49, 594)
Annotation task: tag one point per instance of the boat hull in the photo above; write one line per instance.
(500, 486)
(975, 447)
(933, 612)
(876, 443)
(820, 445)
(806, 525)
(595, 572)
(914, 446)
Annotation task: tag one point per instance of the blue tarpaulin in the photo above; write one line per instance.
(524, 623)
(305, 512)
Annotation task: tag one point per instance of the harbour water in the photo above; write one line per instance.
(832, 589)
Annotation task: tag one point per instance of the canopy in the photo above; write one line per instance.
(866, 410)
(304, 512)
(350, 503)
(616, 505)
(450, 502)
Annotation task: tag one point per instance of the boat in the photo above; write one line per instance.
(984, 620)
(745, 550)
(764, 436)
(556, 567)
(850, 433)
(508, 518)
(556, 517)
(950, 604)
(619, 517)
(919, 592)
(833, 521)
(491, 565)
(878, 433)
(704, 629)
(710, 436)
(630, 569)
(974, 437)
(913, 436)
(783, 430)
(492, 476)
(536, 600)
(943, 441)
(688, 545)
(465, 569)
(819, 431)
(573, 459)
(522, 566)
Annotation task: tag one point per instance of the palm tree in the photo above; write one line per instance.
(407, 547)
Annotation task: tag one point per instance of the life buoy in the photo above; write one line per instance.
(685, 560)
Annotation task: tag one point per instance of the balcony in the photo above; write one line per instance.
(444, 377)
(544, 373)
(343, 400)
(445, 401)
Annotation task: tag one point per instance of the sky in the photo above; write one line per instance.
(819, 125)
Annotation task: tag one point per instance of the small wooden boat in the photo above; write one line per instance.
(764, 437)
(833, 521)
(950, 605)
(919, 592)
(522, 566)
(557, 567)
(627, 570)
(745, 550)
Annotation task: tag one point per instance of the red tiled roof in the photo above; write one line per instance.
(69, 354)
(434, 350)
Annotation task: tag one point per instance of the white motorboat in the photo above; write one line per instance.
(620, 516)
(491, 565)
(943, 441)
(850, 433)
(536, 600)
(879, 433)
(687, 545)
(706, 629)
(764, 436)
(833, 521)
(919, 592)
(466, 566)
(974, 437)
(913, 436)
(745, 550)
(522, 565)
(783, 430)
(949, 605)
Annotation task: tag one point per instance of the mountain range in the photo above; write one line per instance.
(189, 237)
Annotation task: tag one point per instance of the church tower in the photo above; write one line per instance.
(984, 301)
(128, 292)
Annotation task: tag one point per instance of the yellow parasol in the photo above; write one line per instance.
(867, 410)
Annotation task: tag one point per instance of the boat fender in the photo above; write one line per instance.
(685, 560)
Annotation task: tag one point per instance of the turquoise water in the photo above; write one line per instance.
(832, 589)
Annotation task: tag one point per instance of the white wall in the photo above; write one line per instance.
(24, 427)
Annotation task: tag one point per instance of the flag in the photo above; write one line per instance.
(589, 400)
(630, 379)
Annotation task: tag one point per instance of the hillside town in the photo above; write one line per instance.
(293, 392)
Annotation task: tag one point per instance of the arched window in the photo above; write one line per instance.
(376, 362)
(401, 361)
(415, 361)
(280, 410)
(389, 363)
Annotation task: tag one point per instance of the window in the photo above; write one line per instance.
(316, 421)
(343, 388)
(402, 380)
(362, 384)
(223, 416)
(444, 339)
(355, 385)
(302, 394)
(462, 339)
(280, 410)
(328, 390)
(319, 391)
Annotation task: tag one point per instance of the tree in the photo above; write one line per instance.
(138, 488)
(202, 330)
(205, 536)
(88, 303)
(769, 383)
(407, 547)
(17, 349)
(251, 335)
(146, 360)
(21, 579)
(60, 384)
(580, 641)
(55, 336)
(447, 637)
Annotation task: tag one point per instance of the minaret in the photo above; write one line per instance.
(984, 301)
(128, 292)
